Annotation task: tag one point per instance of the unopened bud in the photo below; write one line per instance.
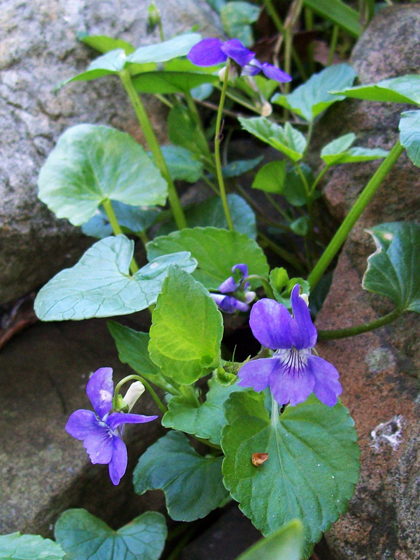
(153, 18)
(249, 296)
(266, 109)
(133, 394)
(305, 298)
(233, 73)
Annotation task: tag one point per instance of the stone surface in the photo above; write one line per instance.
(379, 370)
(39, 49)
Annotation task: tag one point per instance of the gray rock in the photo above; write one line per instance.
(379, 370)
(39, 49)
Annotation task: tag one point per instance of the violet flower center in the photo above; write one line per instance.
(294, 361)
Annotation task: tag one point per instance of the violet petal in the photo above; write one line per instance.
(269, 322)
(327, 387)
(207, 52)
(118, 463)
(99, 445)
(115, 419)
(229, 285)
(275, 73)
(256, 373)
(289, 385)
(82, 423)
(242, 267)
(253, 68)
(303, 331)
(235, 50)
(100, 389)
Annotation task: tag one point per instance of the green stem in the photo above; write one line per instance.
(154, 148)
(163, 100)
(360, 329)
(309, 23)
(154, 396)
(302, 176)
(117, 229)
(317, 180)
(285, 255)
(261, 213)
(333, 44)
(354, 214)
(217, 140)
(267, 288)
(277, 207)
(239, 100)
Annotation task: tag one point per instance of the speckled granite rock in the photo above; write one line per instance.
(380, 370)
(39, 48)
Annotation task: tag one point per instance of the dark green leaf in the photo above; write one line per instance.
(85, 537)
(338, 13)
(236, 19)
(311, 470)
(184, 131)
(313, 97)
(393, 270)
(182, 164)
(131, 218)
(29, 547)
(91, 164)
(284, 544)
(100, 285)
(161, 52)
(410, 134)
(405, 89)
(171, 82)
(270, 178)
(216, 250)
(294, 189)
(300, 226)
(241, 166)
(192, 484)
(104, 44)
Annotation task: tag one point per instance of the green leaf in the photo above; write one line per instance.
(409, 128)
(288, 139)
(132, 219)
(338, 151)
(300, 226)
(239, 167)
(171, 82)
(236, 19)
(184, 131)
(182, 164)
(204, 421)
(311, 470)
(284, 544)
(28, 547)
(192, 484)
(104, 44)
(133, 350)
(187, 329)
(91, 164)
(216, 250)
(405, 89)
(282, 286)
(110, 63)
(178, 46)
(100, 285)
(393, 270)
(338, 13)
(85, 537)
(313, 97)
(294, 189)
(270, 178)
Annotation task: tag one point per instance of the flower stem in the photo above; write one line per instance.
(154, 148)
(117, 229)
(288, 257)
(217, 141)
(154, 396)
(267, 288)
(354, 214)
(360, 329)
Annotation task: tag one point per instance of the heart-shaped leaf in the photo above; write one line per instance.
(338, 151)
(313, 97)
(192, 484)
(393, 270)
(29, 547)
(283, 544)
(91, 164)
(312, 465)
(216, 250)
(270, 178)
(182, 164)
(100, 285)
(85, 537)
(171, 82)
(161, 52)
(186, 329)
(410, 134)
(405, 89)
(236, 19)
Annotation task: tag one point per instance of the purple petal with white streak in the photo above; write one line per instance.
(327, 387)
(270, 322)
(253, 68)
(289, 385)
(100, 389)
(207, 52)
(229, 285)
(81, 424)
(302, 329)
(118, 464)
(235, 50)
(256, 373)
(117, 418)
(99, 445)
(275, 73)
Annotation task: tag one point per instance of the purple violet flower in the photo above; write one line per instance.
(293, 372)
(101, 431)
(238, 295)
(210, 52)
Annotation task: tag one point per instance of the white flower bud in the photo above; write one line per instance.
(232, 73)
(266, 110)
(133, 394)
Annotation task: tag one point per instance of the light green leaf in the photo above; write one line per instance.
(288, 139)
(216, 251)
(270, 178)
(409, 128)
(186, 330)
(204, 421)
(29, 547)
(338, 151)
(171, 82)
(100, 285)
(338, 13)
(284, 544)
(311, 470)
(405, 89)
(85, 537)
(241, 166)
(184, 131)
(178, 46)
(300, 226)
(91, 164)
(393, 270)
(104, 44)
(182, 164)
(133, 350)
(313, 97)
(192, 484)
(110, 63)
(236, 19)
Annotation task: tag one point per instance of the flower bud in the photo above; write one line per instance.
(153, 18)
(233, 73)
(134, 392)
(266, 109)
